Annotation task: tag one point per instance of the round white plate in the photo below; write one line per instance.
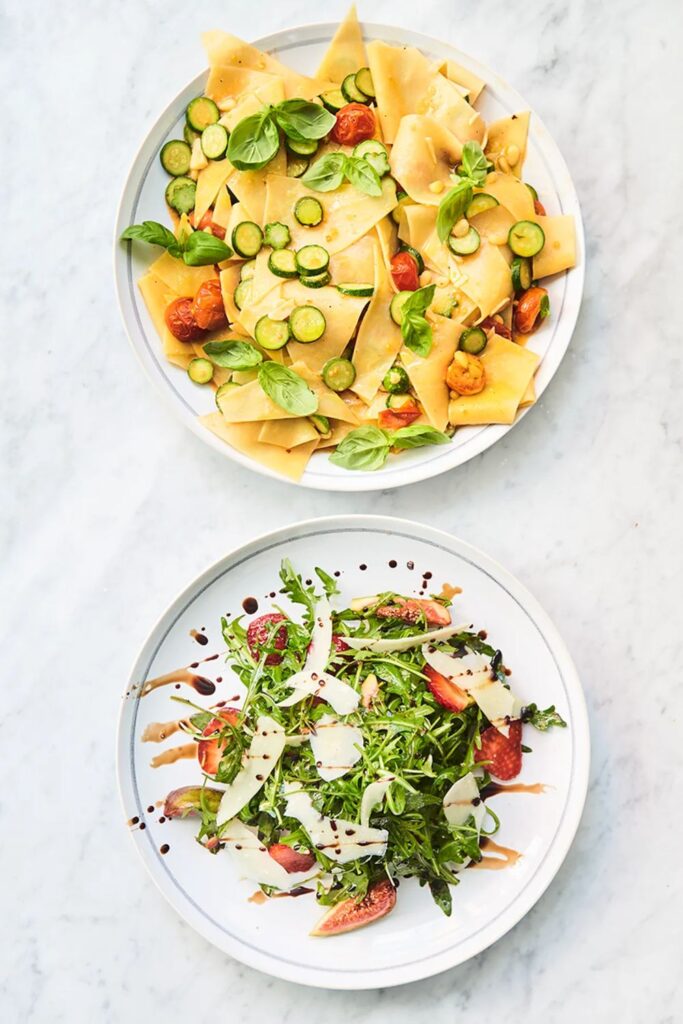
(143, 199)
(415, 940)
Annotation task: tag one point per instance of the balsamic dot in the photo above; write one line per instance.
(177, 686)
(337, 573)
(362, 567)
(150, 809)
(142, 825)
(427, 575)
(393, 563)
(134, 821)
(410, 565)
(165, 848)
(162, 819)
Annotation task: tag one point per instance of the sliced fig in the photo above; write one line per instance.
(447, 693)
(412, 610)
(188, 800)
(209, 752)
(290, 859)
(349, 915)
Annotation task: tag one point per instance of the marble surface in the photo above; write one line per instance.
(110, 506)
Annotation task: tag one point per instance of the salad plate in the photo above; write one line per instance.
(313, 310)
(359, 713)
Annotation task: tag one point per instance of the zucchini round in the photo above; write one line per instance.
(312, 259)
(214, 141)
(351, 90)
(201, 112)
(175, 157)
(307, 324)
(466, 245)
(271, 334)
(526, 238)
(296, 166)
(247, 239)
(473, 340)
(180, 194)
(396, 308)
(481, 202)
(302, 147)
(229, 385)
(282, 263)
(321, 424)
(522, 274)
(316, 280)
(534, 193)
(247, 270)
(200, 370)
(277, 235)
(398, 401)
(375, 152)
(396, 381)
(308, 211)
(339, 373)
(242, 296)
(358, 290)
(333, 100)
(189, 134)
(364, 83)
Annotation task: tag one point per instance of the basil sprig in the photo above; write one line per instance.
(472, 171)
(415, 328)
(367, 448)
(256, 139)
(328, 174)
(287, 389)
(196, 249)
(233, 355)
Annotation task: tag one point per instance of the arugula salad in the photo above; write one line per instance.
(352, 260)
(361, 753)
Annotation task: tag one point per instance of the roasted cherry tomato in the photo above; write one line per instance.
(206, 224)
(404, 272)
(394, 419)
(258, 632)
(209, 752)
(539, 208)
(181, 322)
(532, 306)
(291, 860)
(355, 122)
(490, 323)
(207, 307)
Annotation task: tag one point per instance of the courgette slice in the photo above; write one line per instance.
(352, 92)
(396, 308)
(416, 256)
(321, 424)
(214, 141)
(282, 263)
(277, 235)
(201, 112)
(307, 324)
(473, 340)
(396, 381)
(229, 385)
(175, 157)
(364, 83)
(481, 202)
(466, 245)
(376, 154)
(333, 100)
(247, 270)
(339, 373)
(296, 166)
(356, 289)
(200, 370)
(308, 211)
(312, 259)
(534, 193)
(271, 334)
(247, 239)
(302, 147)
(402, 199)
(316, 280)
(522, 274)
(189, 134)
(180, 194)
(526, 238)
(242, 296)
(398, 401)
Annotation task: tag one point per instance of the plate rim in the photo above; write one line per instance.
(451, 457)
(522, 903)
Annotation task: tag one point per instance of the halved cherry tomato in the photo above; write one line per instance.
(291, 860)
(404, 272)
(209, 752)
(207, 306)
(207, 224)
(181, 322)
(539, 208)
(412, 610)
(532, 307)
(446, 693)
(355, 122)
(490, 323)
(258, 632)
(394, 419)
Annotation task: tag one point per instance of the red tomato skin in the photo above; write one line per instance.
(355, 122)
(207, 306)
(181, 322)
(394, 419)
(404, 272)
(206, 224)
(209, 752)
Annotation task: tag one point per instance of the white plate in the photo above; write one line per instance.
(143, 199)
(415, 940)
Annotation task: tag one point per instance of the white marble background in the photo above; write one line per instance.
(110, 506)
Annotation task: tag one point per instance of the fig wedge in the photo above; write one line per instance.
(412, 610)
(290, 859)
(210, 752)
(349, 915)
(188, 800)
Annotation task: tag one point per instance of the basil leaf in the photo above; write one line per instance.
(417, 435)
(420, 301)
(326, 174)
(233, 355)
(150, 231)
(202, 248)
(301, 119)
(473, 163)
(287, 389)
(362, 176)
(417, 334)
(364, 448)
(452, 207)
(254, 141)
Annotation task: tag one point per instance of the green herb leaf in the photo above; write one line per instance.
(417, 435)
(416, 331)
(287, 389)
(328, 582)
(254, 141)
(452, 207)
(441, 895)
(543, 720)
(233, 355)
(302, 120)
(362, 176)
(326, 174)
(544, 311)
(364, 448)
(201, 248)
(473, 163)
(150, 231)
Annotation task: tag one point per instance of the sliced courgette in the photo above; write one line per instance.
(214, 141)
(180, 194)
(333, 100)
(526, 238)
(375, 152)
(522, 274)
(296, 166)
(352, 92)
(282, 263)
(321, 424)
(416, 256)
(229, 385)
(396, 381)
(481, 202)
(271, 334)
(353, 288)
(247, 239)
(247, 270)
(402, 199)
(396, 308)
(242, 296)
(316, 280)
(277, 235)
(200, 370)
(400, 402)
(312, 259)
(534, 193)
(473, 340)
(466, 245)
(302, 147)
(201, 112)
(364, 83)
(189, 134)
(339, 373)
(175, 157)
(308, 211)
(307, 324)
